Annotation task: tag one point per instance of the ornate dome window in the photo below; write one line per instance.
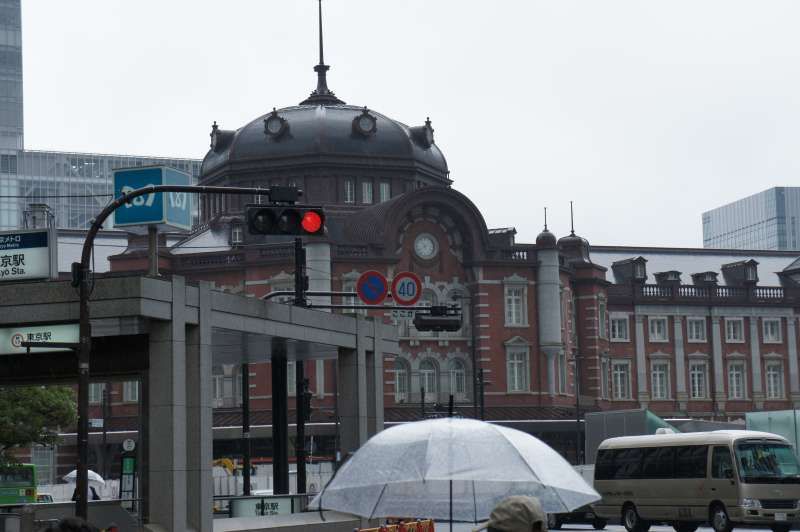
(365, 124)
(423, 135)
(275, 125)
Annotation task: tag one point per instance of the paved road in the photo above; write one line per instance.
(460, 527)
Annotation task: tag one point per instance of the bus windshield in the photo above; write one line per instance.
(767, 462)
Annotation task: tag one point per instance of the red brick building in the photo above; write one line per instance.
(707, 341)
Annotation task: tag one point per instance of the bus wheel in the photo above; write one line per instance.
(781, 528)
(684, 527)
(719, 519)
(632, 521)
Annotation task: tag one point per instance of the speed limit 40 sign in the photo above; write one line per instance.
(406, 288)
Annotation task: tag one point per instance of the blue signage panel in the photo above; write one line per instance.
(169, 209)
(179, 204)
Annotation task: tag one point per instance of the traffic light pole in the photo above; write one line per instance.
(80, 271)
(300, 287)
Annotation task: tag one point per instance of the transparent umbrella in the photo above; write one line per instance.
(435, 467)
(72, 476)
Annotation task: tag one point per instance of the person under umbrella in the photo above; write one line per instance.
(516, 514)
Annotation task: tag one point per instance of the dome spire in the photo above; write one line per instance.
(322, 94)
(571, 220)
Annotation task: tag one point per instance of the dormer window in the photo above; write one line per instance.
(639, 272)
(237, 234)
(750, 273)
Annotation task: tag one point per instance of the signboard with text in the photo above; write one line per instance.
(11, 338)
(164, 209)
(252, 506)
(28, 254)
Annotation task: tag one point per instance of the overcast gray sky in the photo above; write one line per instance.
(643, 113)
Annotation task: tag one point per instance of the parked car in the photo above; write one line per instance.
(583, 515)
(44, 497)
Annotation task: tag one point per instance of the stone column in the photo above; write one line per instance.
(548, 303)
(719, 366)
(791, 342)
(167, 416)
(755, 364)
(680, 365)
(352, 385)
(641, 364)
(199, 419)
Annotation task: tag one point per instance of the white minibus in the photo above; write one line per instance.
(725, 478)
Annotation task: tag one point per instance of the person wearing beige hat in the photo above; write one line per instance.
(516, 514)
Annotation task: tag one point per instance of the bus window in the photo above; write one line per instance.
(721, 463)
(658, 462)
(690, 461)
(628, 463)
(604, 466)
(766, 462)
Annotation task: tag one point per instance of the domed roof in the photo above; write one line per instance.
(333, 132)
(546, 240)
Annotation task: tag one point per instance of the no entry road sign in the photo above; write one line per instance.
(372, 287)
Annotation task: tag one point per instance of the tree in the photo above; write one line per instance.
(33, 415)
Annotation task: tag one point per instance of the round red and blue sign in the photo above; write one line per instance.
(372, 287)
(406, 288)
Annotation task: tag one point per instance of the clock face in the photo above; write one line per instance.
(425, 246)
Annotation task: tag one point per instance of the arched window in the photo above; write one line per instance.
(428, 379)
(458, 379)
(402, 378)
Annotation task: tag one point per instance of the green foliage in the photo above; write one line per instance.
(33, 414)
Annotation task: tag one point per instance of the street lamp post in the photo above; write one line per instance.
(80, 273)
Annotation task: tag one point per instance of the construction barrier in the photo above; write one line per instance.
(410, 526)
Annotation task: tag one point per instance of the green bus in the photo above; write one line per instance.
(17, 484)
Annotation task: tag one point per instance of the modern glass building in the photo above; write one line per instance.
(767, 220)
(75, 185)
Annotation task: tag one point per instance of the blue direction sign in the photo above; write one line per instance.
(372, 287)
(166, 209)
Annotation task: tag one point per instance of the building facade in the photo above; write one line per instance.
(767, 220)
(556, 327)
(75, 185)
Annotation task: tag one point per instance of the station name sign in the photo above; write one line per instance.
(11, 338)
(28, 254)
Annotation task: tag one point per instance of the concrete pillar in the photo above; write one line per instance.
(791, 342)
(550, 359)
(199, 417)
(167, 416)
(641, 363)
(680, 364)
(548, 312)
(352, 390)
(318, 266)
(719, 365)
(375, 381)
(755, 363)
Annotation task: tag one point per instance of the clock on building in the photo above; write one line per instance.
(426, 246)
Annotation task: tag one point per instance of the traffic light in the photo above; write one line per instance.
(285, 220)
(440, 318)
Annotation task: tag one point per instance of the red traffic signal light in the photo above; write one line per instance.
(285, 220)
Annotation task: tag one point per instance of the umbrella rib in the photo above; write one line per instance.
(371, 515)
(474, 503)
(534, 472)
